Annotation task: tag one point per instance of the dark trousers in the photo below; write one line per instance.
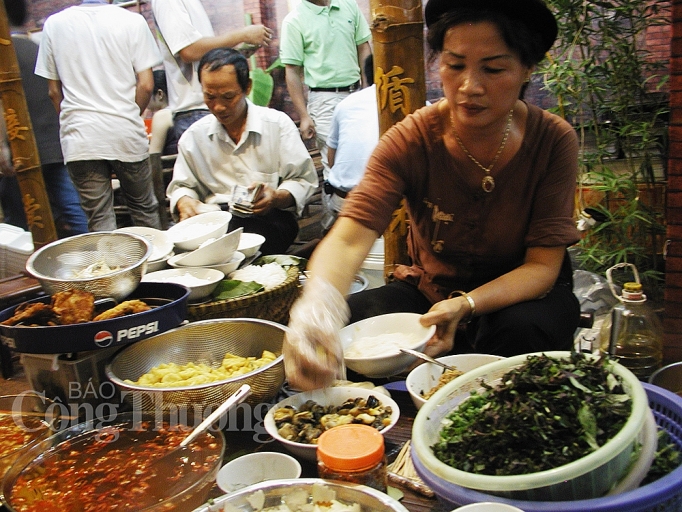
(279, 228)
(538, 325)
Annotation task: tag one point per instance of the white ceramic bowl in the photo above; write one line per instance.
(212, 251)
(327, 396)
(191, 233)
(250, 243)
(153, 266)
(200, 281)
(162, 245)
(424, 377)
(257, 467)
(488, 506)
(390, 361)
(225, 268)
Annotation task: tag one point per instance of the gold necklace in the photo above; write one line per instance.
(488, 183)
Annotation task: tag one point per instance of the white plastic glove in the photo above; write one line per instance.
(313, 356)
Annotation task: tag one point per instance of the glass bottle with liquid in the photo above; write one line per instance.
(634, 334)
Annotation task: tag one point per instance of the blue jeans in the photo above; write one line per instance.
(92, 179)
(69, 218)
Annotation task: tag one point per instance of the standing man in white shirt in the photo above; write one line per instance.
(98, 61)
(353, 135)
(242, 145)
(185, 34)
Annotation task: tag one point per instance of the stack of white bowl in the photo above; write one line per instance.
(215, 253)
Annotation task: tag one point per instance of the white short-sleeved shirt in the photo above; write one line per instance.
(181, 23)
(96, 52)
(354, 134)
(209, 163)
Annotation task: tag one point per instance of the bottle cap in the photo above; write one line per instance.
(632, 291)
(351, 447)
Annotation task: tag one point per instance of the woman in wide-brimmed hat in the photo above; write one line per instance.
(489, 183)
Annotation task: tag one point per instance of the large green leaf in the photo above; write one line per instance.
(261, 88)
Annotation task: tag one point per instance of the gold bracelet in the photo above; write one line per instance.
(470, 300)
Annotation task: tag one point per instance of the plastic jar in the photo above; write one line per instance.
(353, 453)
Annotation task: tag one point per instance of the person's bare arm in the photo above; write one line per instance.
(331, 155)
(253, 34)
(161, 123)
(144, 88)
(54, 90)
(364, 51)
(532, 280)
(348, 238)
(294, 78)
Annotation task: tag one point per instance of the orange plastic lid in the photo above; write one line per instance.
(351, 447)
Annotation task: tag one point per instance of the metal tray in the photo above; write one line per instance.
(169, 309)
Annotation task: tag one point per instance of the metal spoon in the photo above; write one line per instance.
(426, 358)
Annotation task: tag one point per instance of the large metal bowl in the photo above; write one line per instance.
(275, 491)
(23, 414)
(117, 459)
(59, 266)
(205, 341)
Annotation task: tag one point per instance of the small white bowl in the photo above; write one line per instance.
(256, 467)
(153, 266)
(191, 233)
(327, 396)
(488, 506)
(162, 245)
(391, 361)
(250, 243)
(225, 268)
(424, 377)
(212, 251)
(200, 281)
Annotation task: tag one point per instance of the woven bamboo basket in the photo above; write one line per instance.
(273, 305)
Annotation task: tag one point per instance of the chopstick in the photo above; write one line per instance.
(401, 471)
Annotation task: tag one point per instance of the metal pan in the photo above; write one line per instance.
(169, 309)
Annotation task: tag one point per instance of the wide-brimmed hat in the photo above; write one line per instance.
(533, 13)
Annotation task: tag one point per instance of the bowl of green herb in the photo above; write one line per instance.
(542, 427)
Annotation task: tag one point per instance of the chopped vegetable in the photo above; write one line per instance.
(545, 413)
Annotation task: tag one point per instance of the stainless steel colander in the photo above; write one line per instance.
(205, 341)
(60, 266)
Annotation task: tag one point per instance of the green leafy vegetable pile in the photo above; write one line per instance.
(667, 459)
(544, 414)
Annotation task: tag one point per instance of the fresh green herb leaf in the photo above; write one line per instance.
(546, 413)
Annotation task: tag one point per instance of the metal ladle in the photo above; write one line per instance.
(426, 358)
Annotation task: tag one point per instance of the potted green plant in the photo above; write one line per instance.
(610, 87)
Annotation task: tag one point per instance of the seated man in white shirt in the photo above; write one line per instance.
(242, 145)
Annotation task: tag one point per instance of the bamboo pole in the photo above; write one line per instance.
(22, 142)
(398, 37)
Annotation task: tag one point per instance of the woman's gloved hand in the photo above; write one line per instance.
(313, 356)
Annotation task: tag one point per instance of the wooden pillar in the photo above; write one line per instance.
(398, 38)
(22, 142)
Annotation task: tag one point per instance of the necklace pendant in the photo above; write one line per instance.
(488, 184)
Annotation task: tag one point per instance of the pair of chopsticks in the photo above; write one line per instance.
(401, 472)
